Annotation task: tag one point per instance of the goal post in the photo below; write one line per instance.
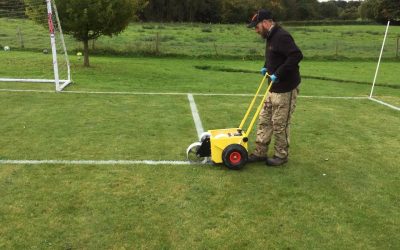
(379, 60)
(28, 56)
(371, 95)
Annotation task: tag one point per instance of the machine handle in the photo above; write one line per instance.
(259, 109)
(253, 101)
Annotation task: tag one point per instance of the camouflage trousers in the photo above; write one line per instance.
(274, 121)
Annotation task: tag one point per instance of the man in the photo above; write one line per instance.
(282, 57)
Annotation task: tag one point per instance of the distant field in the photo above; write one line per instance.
(216, 40)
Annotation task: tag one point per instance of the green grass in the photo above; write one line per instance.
(184, 75)
(339, 189)
(95, 127)
(176, 207)
(216, 40)
(353, 205)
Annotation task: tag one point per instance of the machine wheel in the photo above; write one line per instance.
(204, 136)
(235, 156)
(191, 153)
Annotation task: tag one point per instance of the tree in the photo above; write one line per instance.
(350, 10)
(389, 9)
(307, 9)
(86, 20)
(381, 10)
(291, 9)
(209, 11)
(10, 6)
(234, 11)
(328, 10)
(367, 9)
(350, 13)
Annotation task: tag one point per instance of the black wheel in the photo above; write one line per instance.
(235, 156)
(192, 155)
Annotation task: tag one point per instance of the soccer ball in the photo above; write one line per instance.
(6, 48)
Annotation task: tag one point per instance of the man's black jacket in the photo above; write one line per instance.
(282, 59)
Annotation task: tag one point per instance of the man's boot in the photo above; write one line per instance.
(256, 158)
(276, 161)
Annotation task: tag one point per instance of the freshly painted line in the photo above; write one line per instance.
(27, 90)
(384, 103)
(93, 162)
(30, 80)
(220, 94)
(167, 93)
(122, 93)
(91, 92)
(196, 116)
(335, 97)
(119, 92)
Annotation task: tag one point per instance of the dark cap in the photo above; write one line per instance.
(259, 17)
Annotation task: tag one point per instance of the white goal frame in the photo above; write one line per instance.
(376, 73)
(60, 84)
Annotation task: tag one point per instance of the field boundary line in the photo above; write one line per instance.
(196, 115)
(166, 93)
(93, 162)
(27, 90)
(334, 97)
(384, 103)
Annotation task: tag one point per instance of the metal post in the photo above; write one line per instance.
(21, 39)
(379, 61)
(64, 48)
(336, 49)
(215, 48)
(53, 44)
(157, 43)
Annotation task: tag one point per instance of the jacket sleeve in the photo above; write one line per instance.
(288, 47)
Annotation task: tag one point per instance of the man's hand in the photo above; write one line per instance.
(274, 78)
(263, 71)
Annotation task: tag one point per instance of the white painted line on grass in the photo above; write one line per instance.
(92, 92)
(119, 92)
(335, 97)
(93, 162)
(27, 90)
(122, 93)
(196, 116)
(165, 93)
(384, 103)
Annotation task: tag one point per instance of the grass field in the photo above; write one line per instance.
(338, 191)
(217, 40)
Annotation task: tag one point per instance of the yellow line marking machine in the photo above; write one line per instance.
(228, 146)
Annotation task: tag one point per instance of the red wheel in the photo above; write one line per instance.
(234, 156)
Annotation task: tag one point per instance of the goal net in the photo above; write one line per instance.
(32, 46)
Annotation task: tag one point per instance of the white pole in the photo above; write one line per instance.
(53, 44)
(379, 61)
(63, 42)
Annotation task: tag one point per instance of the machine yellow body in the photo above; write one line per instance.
(228, 146)
(221, 138)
